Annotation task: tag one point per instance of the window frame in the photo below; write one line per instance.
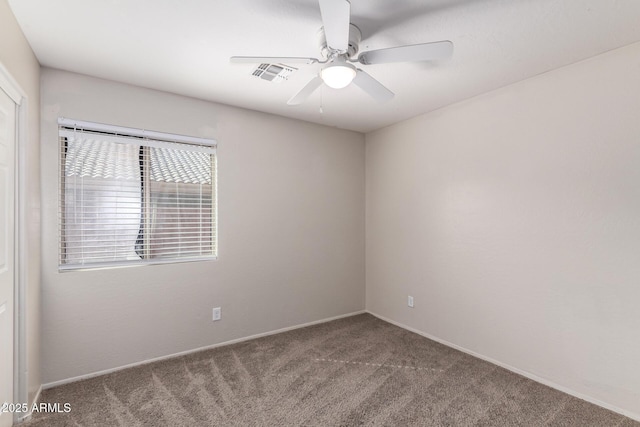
(149, 137)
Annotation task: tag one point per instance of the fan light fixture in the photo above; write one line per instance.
(338, 74)
(339, 43)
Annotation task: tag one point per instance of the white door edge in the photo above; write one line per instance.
(20, 387)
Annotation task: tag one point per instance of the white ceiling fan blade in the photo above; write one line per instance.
(373, 87)
(306, 91)
(271, 60)
(335, 18)
(416, 52)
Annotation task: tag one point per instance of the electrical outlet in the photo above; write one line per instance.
(217, 313)
(410, 301)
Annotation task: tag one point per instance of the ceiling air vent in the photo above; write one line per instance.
(274, 72)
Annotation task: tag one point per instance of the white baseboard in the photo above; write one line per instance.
(526, 374)
(195, 350)
(36, 399)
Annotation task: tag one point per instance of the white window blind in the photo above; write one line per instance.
(134, 197)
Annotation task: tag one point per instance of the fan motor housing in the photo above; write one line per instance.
(355, 36)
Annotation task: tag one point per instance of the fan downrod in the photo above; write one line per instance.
(355, 36)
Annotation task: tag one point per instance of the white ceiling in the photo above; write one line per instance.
(184, 47)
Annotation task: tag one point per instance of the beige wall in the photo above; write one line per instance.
(17, 57)
(513, 219)
(291, 234)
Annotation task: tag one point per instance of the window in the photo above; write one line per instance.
(130, 196)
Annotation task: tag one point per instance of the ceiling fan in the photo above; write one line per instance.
(339, 40)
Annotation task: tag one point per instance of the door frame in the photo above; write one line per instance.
(20, 387)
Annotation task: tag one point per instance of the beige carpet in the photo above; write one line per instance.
(354, 371)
